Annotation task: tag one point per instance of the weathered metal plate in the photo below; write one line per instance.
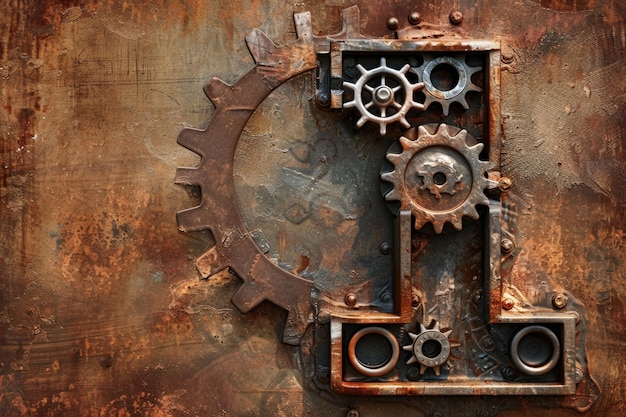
(102, 310)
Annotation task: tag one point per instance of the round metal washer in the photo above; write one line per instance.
(390, 363)
(445, 60)
(547, 366)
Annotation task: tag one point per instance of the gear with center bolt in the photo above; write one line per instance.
(378, 103)
(438, 177)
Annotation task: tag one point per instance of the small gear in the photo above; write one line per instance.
(446, 80)
(383, 95)
(430, 348)
(437, 176)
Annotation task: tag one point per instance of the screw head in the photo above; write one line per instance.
(414, 18)
(488, 343)
(508, 303)
(559, 300)
(456, 17)
(508, 373)
(413, 373)
(392, 23)
(350, 299)
(323, 99)
(507, 245)
(323, 375)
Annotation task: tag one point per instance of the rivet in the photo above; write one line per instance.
(385, 248)
(508, 373)
(350, 299)
(413, 373)
(353, 413)
(508, 303)
(456, 17)
(414, 18)
(392, 23)
(579, 375)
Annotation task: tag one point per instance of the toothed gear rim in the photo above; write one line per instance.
(452, 66)
(437, 176)
(430, 348)
(383, 96)
(217, 212)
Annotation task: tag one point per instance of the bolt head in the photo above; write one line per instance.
(505, 183)
(414, 18)
(559, 300)
(353, 413)
(579, 375)
(508, 373)
(456, 17)
(392, 23)
(508, 303)
(507, 245)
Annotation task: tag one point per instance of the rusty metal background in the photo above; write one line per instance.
(102, 309)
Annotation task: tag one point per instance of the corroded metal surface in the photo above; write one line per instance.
(102, 310)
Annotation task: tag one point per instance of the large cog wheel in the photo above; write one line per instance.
(217, 212)
(437, 176)
(384, 102)
(446, 80)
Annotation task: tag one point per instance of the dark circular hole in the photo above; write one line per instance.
(431, 348)
(373, 350)
(535, 349)
(439, 178)
(444, 77)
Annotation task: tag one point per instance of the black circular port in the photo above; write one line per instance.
(373, 351)
(431, 348)
(535, 350)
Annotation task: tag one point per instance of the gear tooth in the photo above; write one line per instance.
(445, 108)
(349, 85)
(406, 142)
(383, 62)
(361, 121)
(461, 100)
(423, 369)
(438, 226)
(188, 176)
(193, 139)
(447, 333)
(211, 262)
(247, 297)
(436, 326)
(383, 129)
(361, 69)
(437, 370)
(413, 336)
(392, 195)
(457, 224)
(411, 360)
(422, 328)
(405, 68)
(421, 131)
(408, 348)
(349, 104)
(192, 219)
(261, 47)
(216, 90)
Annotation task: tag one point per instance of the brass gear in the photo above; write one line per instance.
(437, 176)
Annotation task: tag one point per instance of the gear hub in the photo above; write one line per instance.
(437, 176)
(430, 348)
(446, 80)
